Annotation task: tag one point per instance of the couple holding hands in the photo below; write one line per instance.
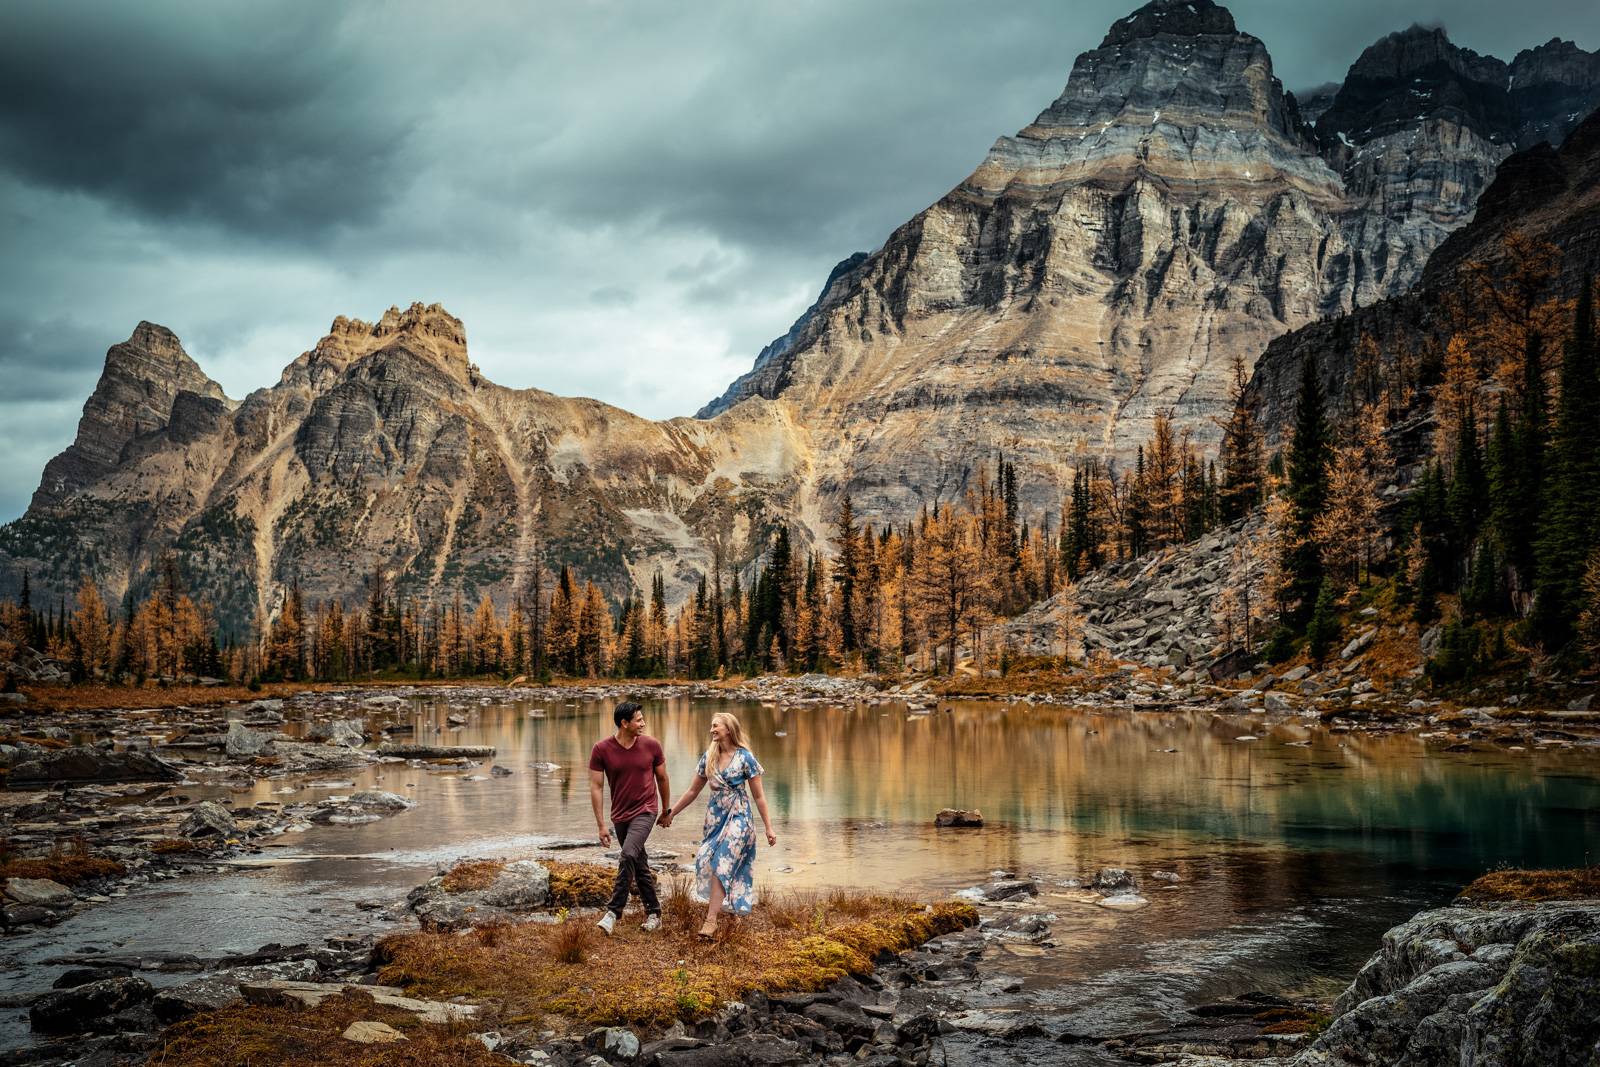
(634, 767)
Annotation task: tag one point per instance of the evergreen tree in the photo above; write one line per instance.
(1323, 631)
(1243, 475)
(1570, 525)
(1310, 454)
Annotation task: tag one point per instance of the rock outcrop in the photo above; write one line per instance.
(1473, 986)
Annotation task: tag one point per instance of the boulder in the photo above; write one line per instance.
(208, 819)
(86, 763)
(956, 817)
(1490, 985)
(615, 1043)
(519, 887)
(76, 976)
(39, 893)
(368, 805)
(86, 1007)
(1110, 879)
(346, 733)
(243, 742)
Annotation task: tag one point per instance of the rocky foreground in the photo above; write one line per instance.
(1486, 984)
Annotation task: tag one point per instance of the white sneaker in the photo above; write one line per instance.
(607, 923)
(651, 923)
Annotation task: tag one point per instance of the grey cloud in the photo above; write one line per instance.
(265, 123)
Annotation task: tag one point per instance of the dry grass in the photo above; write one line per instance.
(802, 942)
(580, 885)
(67, 863)
(286, 1037)
(471, 875)
(169, 846)
(96, 697)
(1575, 884)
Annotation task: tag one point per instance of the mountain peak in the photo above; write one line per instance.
(424, 329)
(142, 378)
(1180, 18)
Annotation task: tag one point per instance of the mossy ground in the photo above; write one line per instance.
(1531, 886)
(288, 1037)
(568, 970)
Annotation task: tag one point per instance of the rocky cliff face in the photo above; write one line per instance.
(384, 447)
(1548, 194)
(1172, 208)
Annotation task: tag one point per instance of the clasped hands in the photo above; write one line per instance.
(665, 819)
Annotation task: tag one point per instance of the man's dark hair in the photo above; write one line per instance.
(624, 712)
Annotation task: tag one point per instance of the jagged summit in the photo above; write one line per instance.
(1179, 18)
(142, 378)
(426, 330)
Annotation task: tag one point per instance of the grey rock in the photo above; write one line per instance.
(208, 819)
(1114, 878)
(521, 886)
(86, 763)
(86, 1007)
(616, 1044)
(221, 989)
(242, 742)
(39, 893)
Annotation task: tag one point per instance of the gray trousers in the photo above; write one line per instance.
(634, 867)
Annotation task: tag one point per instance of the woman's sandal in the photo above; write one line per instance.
(708, 932)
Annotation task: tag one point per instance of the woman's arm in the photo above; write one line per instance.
(761, 806)
(687, 798)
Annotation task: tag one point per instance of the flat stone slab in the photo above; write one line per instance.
(311, 994)
(85, 764)
(435, 751)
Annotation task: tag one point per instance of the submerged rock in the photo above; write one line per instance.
(957, 817)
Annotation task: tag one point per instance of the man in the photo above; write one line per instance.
(628, 761)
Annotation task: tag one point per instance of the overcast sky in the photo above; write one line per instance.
(621, 200)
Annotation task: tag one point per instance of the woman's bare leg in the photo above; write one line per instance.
(716, 896)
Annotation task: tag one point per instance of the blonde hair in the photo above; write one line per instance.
(733, 732)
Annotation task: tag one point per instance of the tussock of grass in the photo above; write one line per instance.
(802, 942)
(68, 864)
(470, 875)
(580, 885)
(287, 1037)
(1575, 884)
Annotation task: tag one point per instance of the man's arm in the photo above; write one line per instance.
(664, 788)
(597, 789)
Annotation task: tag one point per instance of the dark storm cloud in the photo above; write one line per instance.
(620, 199)
(265, 122)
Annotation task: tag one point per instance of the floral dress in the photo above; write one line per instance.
(728, 845)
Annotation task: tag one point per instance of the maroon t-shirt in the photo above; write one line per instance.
(631, 773)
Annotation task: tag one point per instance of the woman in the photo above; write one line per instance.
(728, 848)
